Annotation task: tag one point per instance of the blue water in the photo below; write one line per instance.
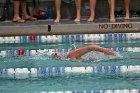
(72, 82)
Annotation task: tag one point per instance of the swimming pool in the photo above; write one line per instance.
(25, 66)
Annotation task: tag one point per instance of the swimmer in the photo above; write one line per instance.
(77, 54)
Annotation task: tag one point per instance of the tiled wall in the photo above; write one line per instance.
(68, 10)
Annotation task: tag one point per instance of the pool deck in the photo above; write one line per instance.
(48, 27)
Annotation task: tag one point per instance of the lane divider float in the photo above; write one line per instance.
(23, 73)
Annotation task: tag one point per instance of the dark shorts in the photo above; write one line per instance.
(19, 0)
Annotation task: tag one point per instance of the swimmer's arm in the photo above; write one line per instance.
(101, 49)
(108, 51)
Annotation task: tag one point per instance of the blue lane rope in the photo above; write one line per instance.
(23, 73)
(7, 53)
(71, 38)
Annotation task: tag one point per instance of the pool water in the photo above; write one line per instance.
(36, 56)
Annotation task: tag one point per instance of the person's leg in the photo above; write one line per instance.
(92, 10)
(24, 11)
(112, 10)
(16, 17)
(127, 4)
(25, 15)
(58, 10)
(78, 9)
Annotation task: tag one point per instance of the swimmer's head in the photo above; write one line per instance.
(57, 55)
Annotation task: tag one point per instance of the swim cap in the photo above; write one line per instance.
(57, 55)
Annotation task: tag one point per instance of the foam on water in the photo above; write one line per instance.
(117, 56)
(94, 56)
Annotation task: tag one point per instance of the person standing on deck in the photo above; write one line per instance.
(58, 15)
(78, 10)
(112, 10)
(25, 15)
(58, 11)
(92, 11)
(127, 5)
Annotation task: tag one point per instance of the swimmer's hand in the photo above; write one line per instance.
(109, 52)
